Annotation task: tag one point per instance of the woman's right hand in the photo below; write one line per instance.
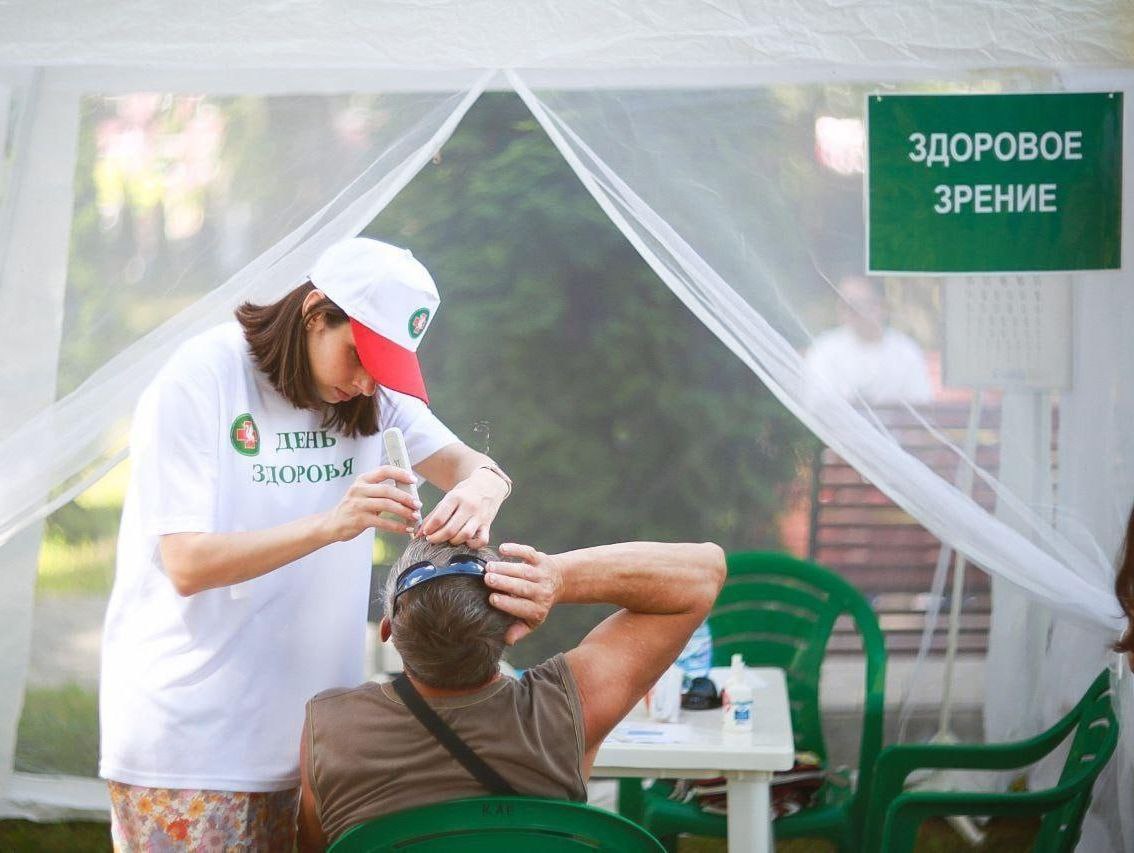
(367, 498)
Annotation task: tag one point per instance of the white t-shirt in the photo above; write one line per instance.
(889, 370)
(208, 691)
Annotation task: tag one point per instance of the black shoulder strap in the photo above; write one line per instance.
(489, 778)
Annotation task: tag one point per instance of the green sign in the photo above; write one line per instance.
(994, 183)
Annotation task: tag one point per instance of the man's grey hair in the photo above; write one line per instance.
(446, 632)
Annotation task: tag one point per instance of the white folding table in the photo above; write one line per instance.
(697, 747)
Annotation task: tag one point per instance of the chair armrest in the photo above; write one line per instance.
(905, 758)
(895, 763)
(908, 811)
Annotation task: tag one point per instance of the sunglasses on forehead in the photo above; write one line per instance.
(425, 571)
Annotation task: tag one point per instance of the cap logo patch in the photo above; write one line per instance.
(244, 435)
(418, 320)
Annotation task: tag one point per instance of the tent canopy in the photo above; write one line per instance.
(781, 37)
(694, 125)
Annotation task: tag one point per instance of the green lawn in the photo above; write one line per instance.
(77, 554)
(22, 835)
(84, 567)
(58, 732)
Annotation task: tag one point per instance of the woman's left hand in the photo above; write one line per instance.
(465, 514)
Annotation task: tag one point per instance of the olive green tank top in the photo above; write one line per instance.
(367, 755)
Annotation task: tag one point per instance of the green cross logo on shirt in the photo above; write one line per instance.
(244, 435)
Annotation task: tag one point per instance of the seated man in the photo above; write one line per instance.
(365, 754)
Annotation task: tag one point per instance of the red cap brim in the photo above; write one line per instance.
(387, 363)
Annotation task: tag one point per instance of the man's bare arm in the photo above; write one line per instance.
(665, 590)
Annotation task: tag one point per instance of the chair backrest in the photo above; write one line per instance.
(1096, 734)
(780, 611)
(492, 824)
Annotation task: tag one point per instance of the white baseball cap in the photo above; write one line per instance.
(390, 299)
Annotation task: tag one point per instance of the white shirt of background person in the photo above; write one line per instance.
(863, 358)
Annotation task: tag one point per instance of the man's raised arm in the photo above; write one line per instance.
(665, 591)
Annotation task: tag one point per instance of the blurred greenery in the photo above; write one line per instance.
(58, 732)
(75, 567)
(79, 540)
(556, 349)
(617, 413)
(22, 836)
(175, 193)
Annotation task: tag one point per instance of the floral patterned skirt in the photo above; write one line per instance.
(155, 820)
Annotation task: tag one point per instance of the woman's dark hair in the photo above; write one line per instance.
(1124, 587)
(276, 334)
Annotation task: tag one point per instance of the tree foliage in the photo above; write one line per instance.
(555, 348)
(617, 413)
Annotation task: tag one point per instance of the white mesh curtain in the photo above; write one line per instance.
(694, 125)
(210, 189)
(715, 189)
(690, 181)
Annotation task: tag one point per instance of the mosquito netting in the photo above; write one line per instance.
(161, 165)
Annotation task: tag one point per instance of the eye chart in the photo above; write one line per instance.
(1009, 332)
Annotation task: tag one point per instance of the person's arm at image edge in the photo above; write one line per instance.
(665, 591)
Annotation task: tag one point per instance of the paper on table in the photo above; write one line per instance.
(642, 732)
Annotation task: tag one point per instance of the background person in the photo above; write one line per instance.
(364, 754)
(244, 554)
(863, 357)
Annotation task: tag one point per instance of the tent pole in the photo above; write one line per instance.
(33, 280)
(957, 592)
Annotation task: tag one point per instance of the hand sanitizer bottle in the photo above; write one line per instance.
(737, 698)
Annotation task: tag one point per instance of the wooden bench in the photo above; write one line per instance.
(856, 530)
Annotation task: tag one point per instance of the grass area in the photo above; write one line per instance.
(109, 491)
(58, 733)
(58, 730)
(77, 554)
(22, 835)
(75, 568)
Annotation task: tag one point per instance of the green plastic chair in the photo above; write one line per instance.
(492, 824)
(894, 816)
(779, 611)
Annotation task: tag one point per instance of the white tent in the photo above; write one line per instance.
(661, 109)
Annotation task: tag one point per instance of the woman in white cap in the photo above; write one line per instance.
(244, 553)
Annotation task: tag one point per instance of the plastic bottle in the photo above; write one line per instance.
(697, 656)
(663, 700)
(737, 698)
